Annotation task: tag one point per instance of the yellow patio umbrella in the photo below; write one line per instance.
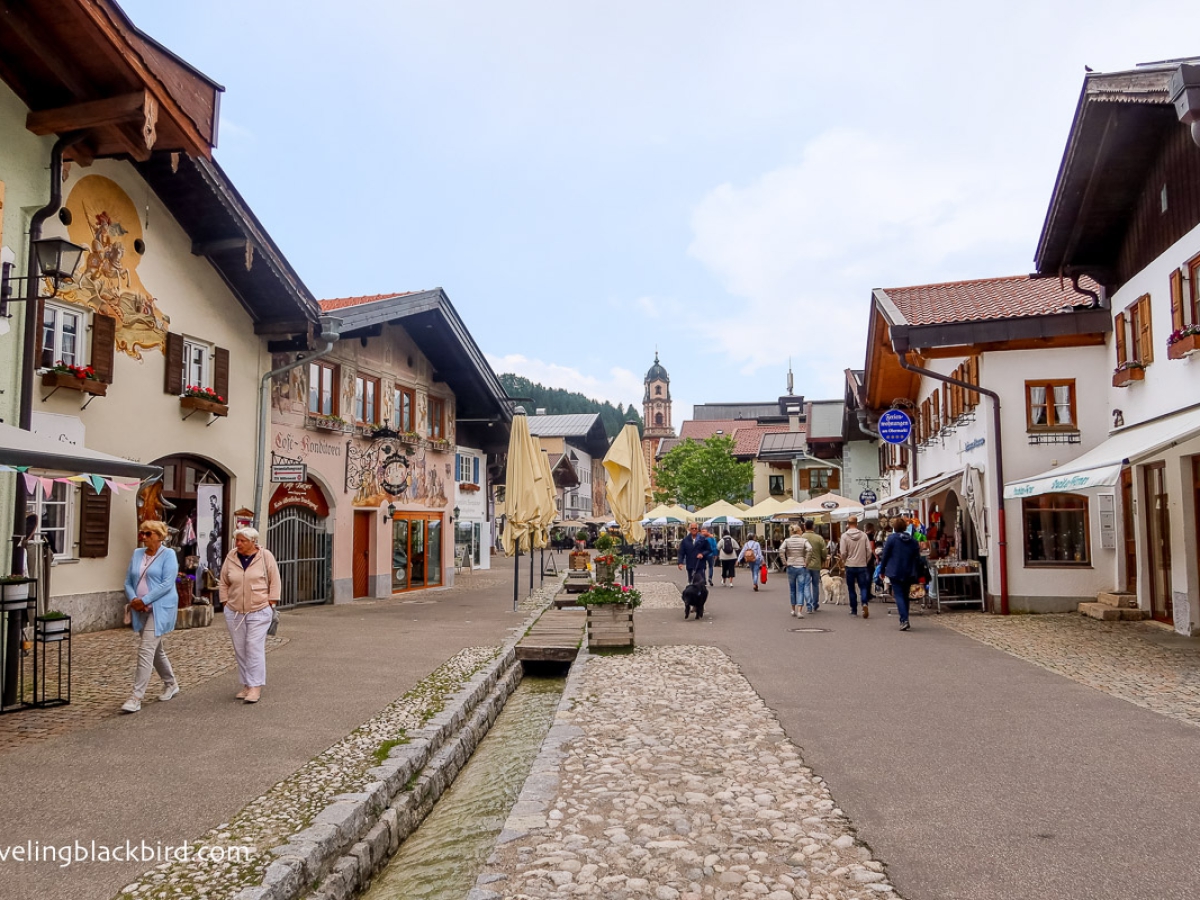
(523, 492)
(720, 508)
(764, 510)
(628, 487)
(549, 499)
(661, 511)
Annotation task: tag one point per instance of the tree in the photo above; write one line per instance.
(697, 474)
(556, 401)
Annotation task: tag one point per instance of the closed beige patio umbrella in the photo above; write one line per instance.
(628, 487)
(524, 495)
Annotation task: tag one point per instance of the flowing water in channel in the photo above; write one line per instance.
(442, 858)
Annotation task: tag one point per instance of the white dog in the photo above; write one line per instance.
(833, 589)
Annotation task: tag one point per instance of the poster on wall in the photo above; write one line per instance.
(209, 524)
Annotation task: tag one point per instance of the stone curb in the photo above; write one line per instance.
(541, 787)
(353, 837)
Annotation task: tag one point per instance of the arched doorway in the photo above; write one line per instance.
(298, 535)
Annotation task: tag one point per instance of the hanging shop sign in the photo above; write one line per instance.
(867, 497)
(305, 494)
(282, 473)
(895, 426)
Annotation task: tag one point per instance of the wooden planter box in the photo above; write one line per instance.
(606, 573)
(201, 405)
(1125, 377)
(1184, 347)
(580, 559)
(71, 383)
(610, 626)
(322, 425)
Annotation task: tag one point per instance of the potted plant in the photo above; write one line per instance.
(327, 423)
(606, 562)
(1127, 372)
(1183, 341)
(53, 626)
(610, 614)
(14, 592)
(74, 378)
(203, 399)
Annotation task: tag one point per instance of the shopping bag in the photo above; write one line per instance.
(762, 573)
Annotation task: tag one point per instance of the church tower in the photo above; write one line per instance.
(656, 413)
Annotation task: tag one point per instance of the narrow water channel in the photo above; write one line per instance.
(442, 858)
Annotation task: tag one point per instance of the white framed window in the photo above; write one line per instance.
(54, 514)
(197, 363)
(63, 331)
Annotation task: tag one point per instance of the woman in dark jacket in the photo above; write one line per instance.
(900, 562)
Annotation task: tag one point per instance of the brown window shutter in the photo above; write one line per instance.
(221, 372)
(1176, 300)
(973, 378)
(1146, 338)
(1119, 334)
(883, 459)
(805, 480)
(93, 521)
(937, 411)
(104, 346)
(173, 374)
(835, 479)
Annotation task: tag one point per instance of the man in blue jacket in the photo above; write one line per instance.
(694, 551)
(900, 562)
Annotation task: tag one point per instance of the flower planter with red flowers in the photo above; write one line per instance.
(468, 487)
(1181, 345)
(78, 378)
(203, 399)
(1125, 375)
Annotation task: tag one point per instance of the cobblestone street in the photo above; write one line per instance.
(1141, 662)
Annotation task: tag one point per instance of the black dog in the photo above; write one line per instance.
(695, 594)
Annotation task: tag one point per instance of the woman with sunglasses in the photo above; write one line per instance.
(150, 587)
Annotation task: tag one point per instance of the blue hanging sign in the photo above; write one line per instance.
(895, 426)
(866, 498)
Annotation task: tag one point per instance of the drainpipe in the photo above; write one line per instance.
(1001, 527)
(330, 332)
(29, 352)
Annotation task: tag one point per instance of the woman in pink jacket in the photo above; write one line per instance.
(250, 588)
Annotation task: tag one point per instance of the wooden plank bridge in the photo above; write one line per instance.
(555, 637)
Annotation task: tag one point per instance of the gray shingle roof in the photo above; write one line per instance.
(574, 425)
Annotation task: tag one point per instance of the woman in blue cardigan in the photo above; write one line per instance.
(150, 587)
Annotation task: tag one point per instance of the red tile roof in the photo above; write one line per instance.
(701, 430)
(749, 437)
(986, 298)
(343, 302)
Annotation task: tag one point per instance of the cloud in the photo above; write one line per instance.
(802, 246)
(621, 386)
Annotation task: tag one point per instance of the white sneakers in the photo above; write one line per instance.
(132, 705)
(169, 692)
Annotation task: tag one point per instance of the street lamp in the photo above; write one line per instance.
(390, 513)
(56, 258)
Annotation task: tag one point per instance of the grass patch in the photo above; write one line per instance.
(384, 749)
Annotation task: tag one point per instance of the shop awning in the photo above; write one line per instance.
(1101, 466)
(924, 490)
(24, 448)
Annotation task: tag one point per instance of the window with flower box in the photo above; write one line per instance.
(62, 336)
(1184, 338)
(322, 388)
(403, 419)
(437, 419)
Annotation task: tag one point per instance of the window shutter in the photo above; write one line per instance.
(173, 373)
(937, 411)
(1176, 300)
(973, 377)
(835, 479)
(1146, 337)
(1119, 334)
(475, 469)
(104, 344)
(221, 372)
(805, 480)
(93, 521)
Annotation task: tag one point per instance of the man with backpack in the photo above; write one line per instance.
(727, 553)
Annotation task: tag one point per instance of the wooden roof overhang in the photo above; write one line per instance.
(884, 380)
(435, 327)
(1120, 124)
(82, 65)
(223, 229)
(564, 472)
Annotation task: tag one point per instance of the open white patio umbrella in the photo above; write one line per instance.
(628, 487)
(722, 520)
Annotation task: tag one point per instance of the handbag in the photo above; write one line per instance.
(274, 626)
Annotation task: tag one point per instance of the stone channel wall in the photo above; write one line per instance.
(355, 836)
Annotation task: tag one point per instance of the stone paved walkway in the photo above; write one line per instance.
(1137, 661)
(102, 676)
(676, 782)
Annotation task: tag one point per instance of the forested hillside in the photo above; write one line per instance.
(558, 402)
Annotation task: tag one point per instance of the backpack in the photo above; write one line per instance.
(728, 544)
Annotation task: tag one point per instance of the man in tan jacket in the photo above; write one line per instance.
(855, 549)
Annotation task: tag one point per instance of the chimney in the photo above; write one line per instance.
(793, 421)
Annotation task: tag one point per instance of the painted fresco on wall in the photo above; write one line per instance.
(105, 221)
(287, 388)
(385, 471)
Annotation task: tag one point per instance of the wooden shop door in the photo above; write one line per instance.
(1156, 506)
(362, 555)
(1130, 535)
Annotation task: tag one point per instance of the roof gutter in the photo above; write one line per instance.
(1001, 525)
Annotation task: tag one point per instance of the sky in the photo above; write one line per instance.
(589, 182)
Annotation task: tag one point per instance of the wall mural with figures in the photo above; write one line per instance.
(386, 471)
(105, 221)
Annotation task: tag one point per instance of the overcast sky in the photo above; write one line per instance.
(587, 181)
